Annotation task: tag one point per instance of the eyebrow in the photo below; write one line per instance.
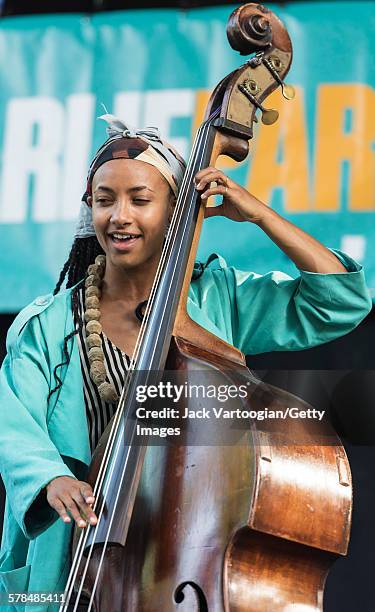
(135, 188)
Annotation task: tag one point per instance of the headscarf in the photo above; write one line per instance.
(128, 143)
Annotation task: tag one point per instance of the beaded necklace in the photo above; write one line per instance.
(98, 374)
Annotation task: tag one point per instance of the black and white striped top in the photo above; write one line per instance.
(117, 363)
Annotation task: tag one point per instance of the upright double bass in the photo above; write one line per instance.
(252, 525)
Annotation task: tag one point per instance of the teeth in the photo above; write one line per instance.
(124, 236)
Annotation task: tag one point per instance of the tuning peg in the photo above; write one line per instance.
(288, 91)
(269, 115)
(273, 65)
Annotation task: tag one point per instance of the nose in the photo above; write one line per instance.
(121, 212)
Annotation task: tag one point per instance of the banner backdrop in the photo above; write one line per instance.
(315, 166)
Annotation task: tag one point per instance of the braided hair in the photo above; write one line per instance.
(82, 254)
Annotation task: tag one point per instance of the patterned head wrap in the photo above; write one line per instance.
(127, 143)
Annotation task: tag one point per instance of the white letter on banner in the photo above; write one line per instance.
(78, 130)
(127, 106)
(166, 104)
(24, 158)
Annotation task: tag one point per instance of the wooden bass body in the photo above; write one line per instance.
(247, 527)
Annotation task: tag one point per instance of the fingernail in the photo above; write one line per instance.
(204, 196)
(199, 185)
(66, 519)
(93, 520)
(82, 524)
(90, 500)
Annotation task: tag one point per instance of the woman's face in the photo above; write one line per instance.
(131, 206)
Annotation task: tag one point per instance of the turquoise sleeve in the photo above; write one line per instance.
(28, 458)
(274, 312)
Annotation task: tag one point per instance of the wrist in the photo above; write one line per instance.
(262, 215)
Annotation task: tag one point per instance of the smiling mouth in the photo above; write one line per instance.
(118, 238)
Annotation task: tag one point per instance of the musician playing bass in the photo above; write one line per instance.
(68, 352)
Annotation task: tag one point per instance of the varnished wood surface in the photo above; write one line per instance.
(268, 574)
(196, 504)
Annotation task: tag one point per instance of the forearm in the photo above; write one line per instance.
(239, 205)
(305, 251)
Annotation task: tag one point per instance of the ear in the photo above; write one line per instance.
(89, 201)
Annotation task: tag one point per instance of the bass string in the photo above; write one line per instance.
(122, 475)
(133, 359)
(114, 429)
(111, 440)
(129, 449)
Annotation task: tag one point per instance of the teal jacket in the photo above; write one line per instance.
(41, 439)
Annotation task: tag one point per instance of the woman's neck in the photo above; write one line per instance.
(128, 284)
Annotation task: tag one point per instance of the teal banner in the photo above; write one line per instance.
(315, 166)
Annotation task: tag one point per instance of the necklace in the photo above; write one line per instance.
(98, 373)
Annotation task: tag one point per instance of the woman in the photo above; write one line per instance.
(63, 372)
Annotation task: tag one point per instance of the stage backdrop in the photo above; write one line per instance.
(315, 166)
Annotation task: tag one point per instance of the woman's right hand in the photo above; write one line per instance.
(69, 495)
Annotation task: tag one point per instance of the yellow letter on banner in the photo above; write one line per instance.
(337, 142)
(202, 97)
(291, 172)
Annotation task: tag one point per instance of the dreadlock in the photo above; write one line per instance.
(82, 254)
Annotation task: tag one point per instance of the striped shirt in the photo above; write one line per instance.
(117, 363)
